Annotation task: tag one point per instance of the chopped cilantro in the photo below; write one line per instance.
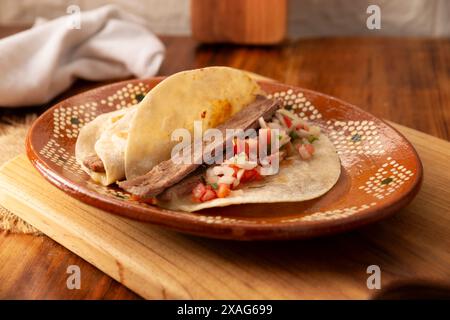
(293, 135)
(311, 139)
(387, 181)
(215, 186)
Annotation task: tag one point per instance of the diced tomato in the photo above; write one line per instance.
(302, 126)
(288, 121)
(198, 192)
(223, 191)
(250, 175)
(310, 148)
(306, 151)
(235, 168)
(208, 195)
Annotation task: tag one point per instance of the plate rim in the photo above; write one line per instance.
(241, 230)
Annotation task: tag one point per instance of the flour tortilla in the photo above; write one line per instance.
(297, 180)
(216, 93)
(106, 136)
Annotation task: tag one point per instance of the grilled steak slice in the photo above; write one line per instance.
(184, 187)
(168, 173)
(94, 163)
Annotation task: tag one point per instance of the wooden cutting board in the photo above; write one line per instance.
(158, 263)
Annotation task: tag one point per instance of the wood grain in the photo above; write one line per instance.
(157, 263)
(239, 21)
(403, 80)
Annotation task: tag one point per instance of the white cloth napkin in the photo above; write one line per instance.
(39, 63)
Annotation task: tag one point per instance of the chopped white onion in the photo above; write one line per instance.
(281, 119)
(288, 114)
(314, 130)
(212, 179)
(303, 133)
(262, 123)
(299, 122)
(239, 175)
(223, 170)
(226, 179)
(274, 125)
(247, 165)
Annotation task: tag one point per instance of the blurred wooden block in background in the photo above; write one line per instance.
(239, 21)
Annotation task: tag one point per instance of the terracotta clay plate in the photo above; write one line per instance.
(381, 171)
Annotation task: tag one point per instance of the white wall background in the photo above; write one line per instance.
(307, 18)
(348, 17)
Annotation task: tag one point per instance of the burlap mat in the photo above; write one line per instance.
(12, 143)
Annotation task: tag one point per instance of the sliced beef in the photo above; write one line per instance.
(94, 163)
(168, 173)
(185, 186)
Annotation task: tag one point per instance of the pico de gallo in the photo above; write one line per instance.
(296, 138)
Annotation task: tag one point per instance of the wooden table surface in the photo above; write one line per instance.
(403, 80)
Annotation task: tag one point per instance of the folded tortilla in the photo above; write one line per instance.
(106, 137)
(210, 94)
(297, 180)
(131, 141)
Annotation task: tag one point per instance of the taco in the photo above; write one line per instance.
(308, 166)
(136, 145)
(210, 95)
(130, 142)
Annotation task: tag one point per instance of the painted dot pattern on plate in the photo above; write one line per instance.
(355, 137)
(297, 102)
(68, 120)
(388, 178)
(227, 220)
(59, 156)
(332, 214)
(111, 192)
(127, 96)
